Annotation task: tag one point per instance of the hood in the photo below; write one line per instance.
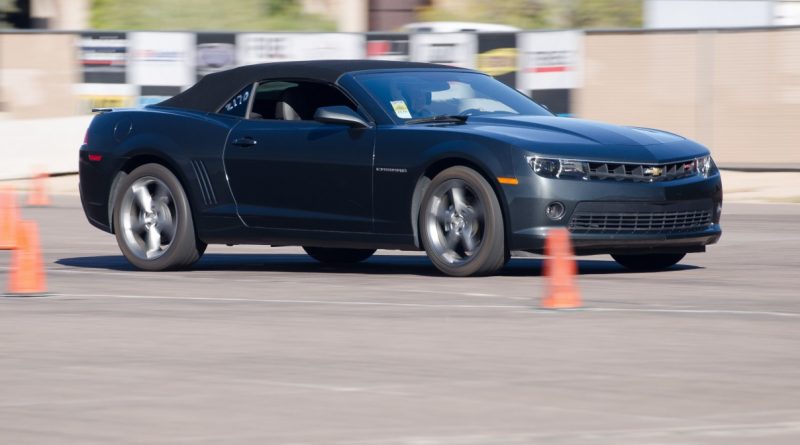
(583, 139)
(579, 131)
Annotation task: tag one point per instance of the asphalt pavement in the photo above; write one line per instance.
(260, 345)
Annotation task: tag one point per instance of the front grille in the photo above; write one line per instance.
(640, 172)
(631, 218)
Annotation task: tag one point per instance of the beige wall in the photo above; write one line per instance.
(736, 91)
(350, 15)
(37, 74)
(756, 97)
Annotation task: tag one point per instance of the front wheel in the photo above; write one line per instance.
(331, 255)
(649, 262)
(461, 225)
(153, 221)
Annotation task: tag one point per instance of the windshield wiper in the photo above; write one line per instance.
(443, 118)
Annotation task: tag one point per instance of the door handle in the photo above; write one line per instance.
(245, 142)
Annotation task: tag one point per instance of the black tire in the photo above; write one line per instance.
(330, 255)
(649, 262)
(480, 219)
(183, 249)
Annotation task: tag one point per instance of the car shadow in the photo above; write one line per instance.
(376, 265)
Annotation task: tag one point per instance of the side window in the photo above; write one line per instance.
(238, 104)
(294, 100)
(267, 96)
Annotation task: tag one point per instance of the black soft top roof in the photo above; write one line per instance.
(213, 90)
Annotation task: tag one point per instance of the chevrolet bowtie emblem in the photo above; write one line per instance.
(653, 171)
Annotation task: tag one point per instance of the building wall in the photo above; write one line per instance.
(736, 91)
(60, 14)
(642, 79)
(350, 15)
(707, 13)
(754, 110)
(390, 15)
(37, 75)
(662, 14)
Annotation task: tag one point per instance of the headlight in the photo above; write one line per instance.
(704, 165)
(545, 167)
(558, 168)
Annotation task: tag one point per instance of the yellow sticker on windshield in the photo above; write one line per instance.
(400, 109)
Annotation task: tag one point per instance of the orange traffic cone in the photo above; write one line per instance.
(560, 269)
(9, 218)
(27, 276)
(38, 196)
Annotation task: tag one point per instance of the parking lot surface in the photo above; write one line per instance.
(260, 345)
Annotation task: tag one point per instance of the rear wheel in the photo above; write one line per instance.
(461, 224)
(649, 262)
(331, 255)
(153, 221)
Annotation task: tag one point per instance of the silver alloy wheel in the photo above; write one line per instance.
(456, 225)
(149, 218)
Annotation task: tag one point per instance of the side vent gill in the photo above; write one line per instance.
(205, 182)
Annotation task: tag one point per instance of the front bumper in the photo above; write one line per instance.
(609, 216)
(630, 243)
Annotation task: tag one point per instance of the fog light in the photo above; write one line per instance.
(555, 211)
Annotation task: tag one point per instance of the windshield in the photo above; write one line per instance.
(421, 94)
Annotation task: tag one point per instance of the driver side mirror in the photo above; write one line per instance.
(339, 114)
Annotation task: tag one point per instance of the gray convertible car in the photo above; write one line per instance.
(345, 157)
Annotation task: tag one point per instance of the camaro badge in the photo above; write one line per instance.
(391, 170)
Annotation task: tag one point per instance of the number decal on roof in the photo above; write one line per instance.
(238, 100)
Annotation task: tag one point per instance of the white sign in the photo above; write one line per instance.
(457, 49)
(550, 60)
(283, 47)
(161, 58)
(394, 48)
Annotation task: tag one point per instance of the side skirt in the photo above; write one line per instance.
(315, 238)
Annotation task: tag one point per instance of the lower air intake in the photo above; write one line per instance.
(628, 219)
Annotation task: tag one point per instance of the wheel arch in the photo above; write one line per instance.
(437, 166)
(135, 161)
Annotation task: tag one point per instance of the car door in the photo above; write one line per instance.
(300, 174)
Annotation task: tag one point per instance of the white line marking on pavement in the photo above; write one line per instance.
(285, 301)
(139, 274)
(194, 276)
(331, 388)
(434, 291)
(530, 309)
(753, 430)
(689, 311)
(97, 272)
